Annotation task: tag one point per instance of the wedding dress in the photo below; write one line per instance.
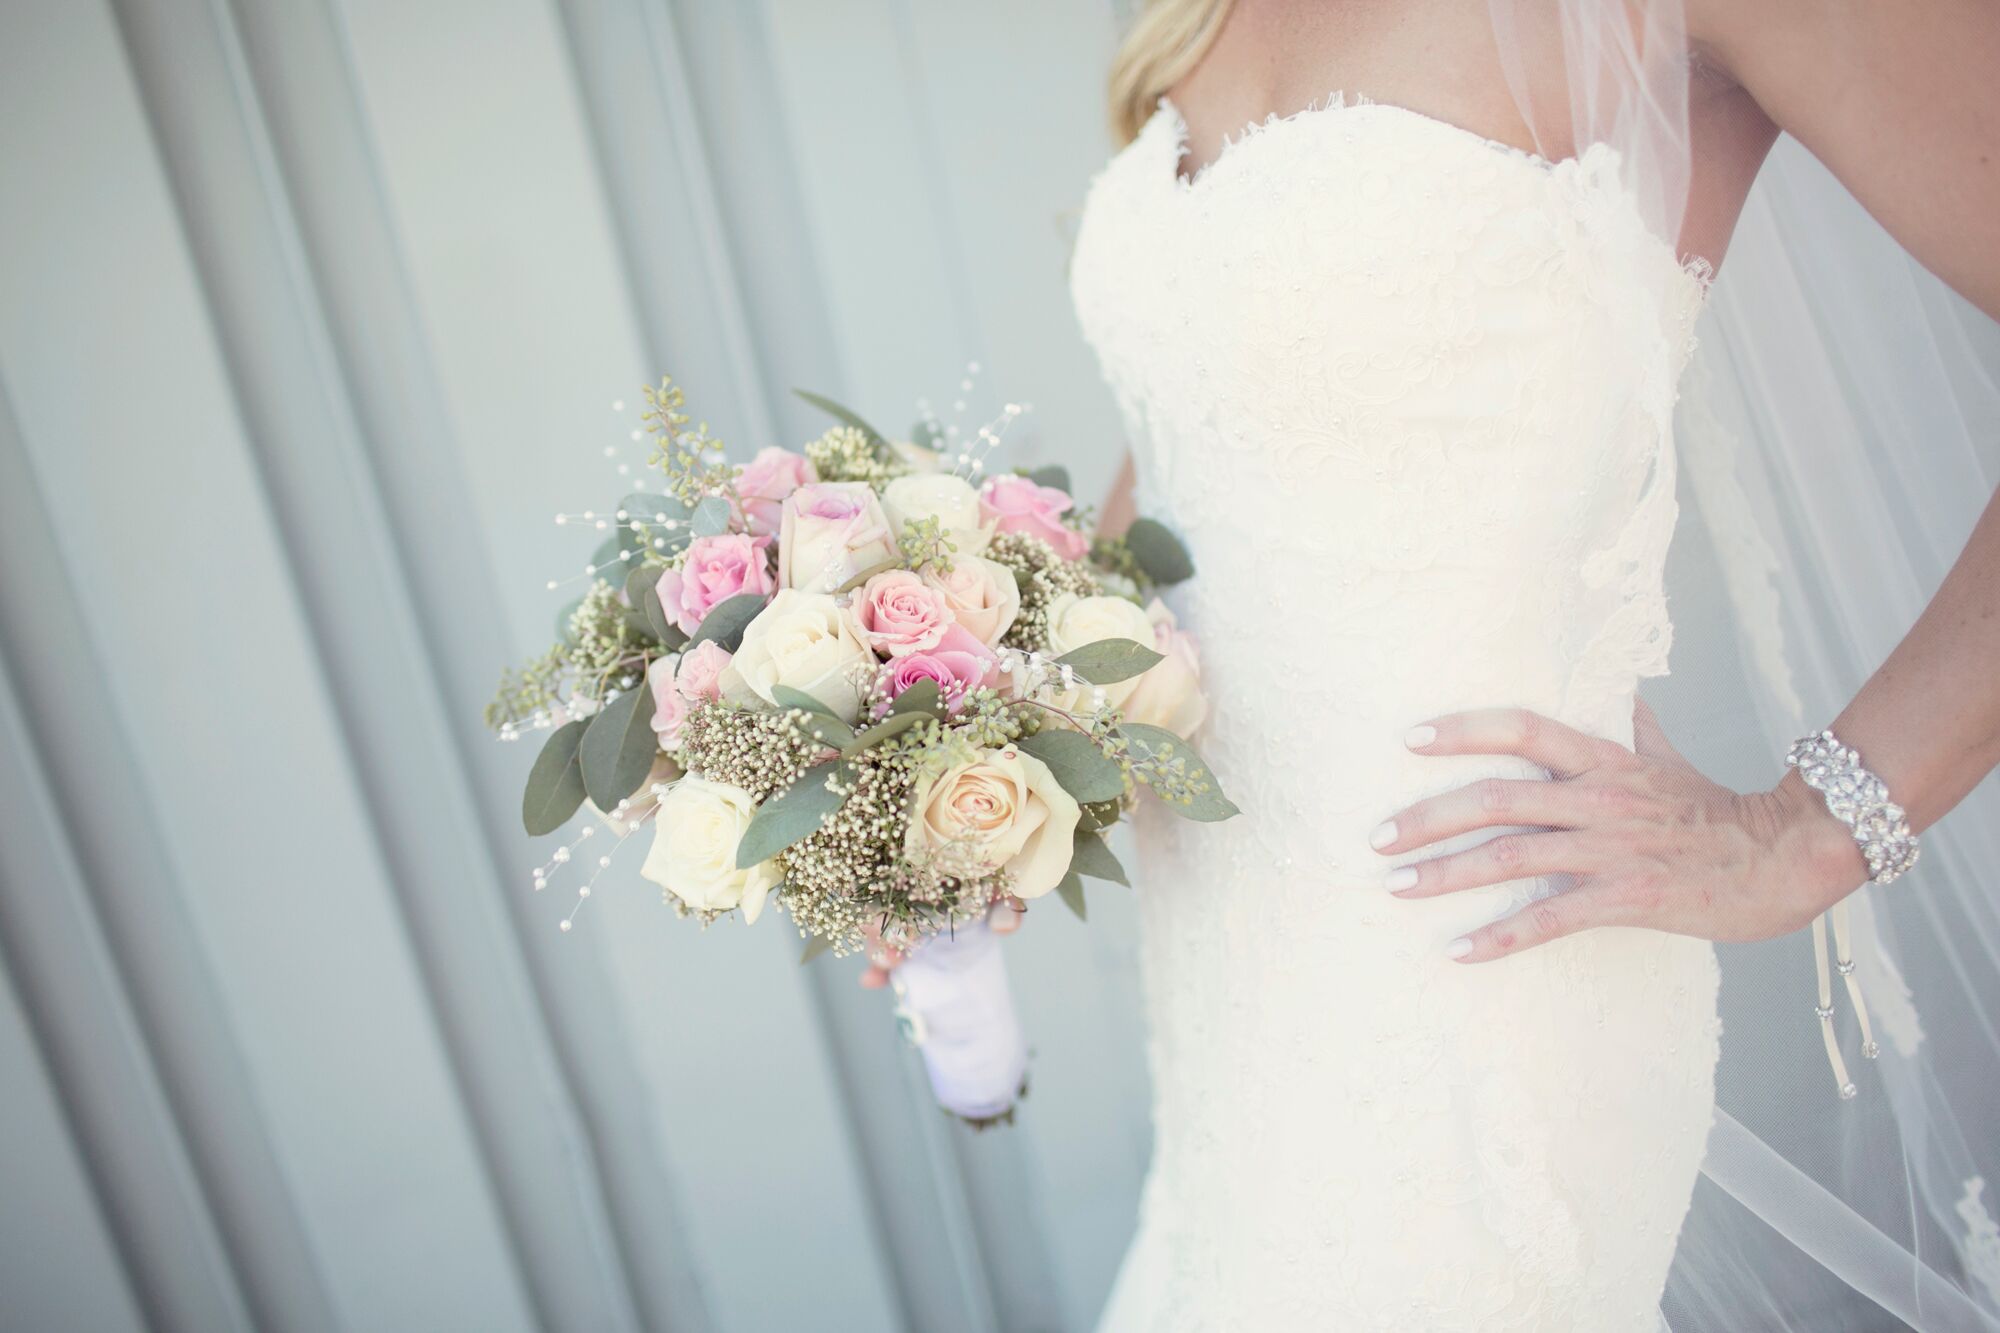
(1402, 390)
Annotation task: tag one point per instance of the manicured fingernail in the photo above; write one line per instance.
(1458, 949)
(1384, 834)
(1420, 736)
(1402, 877)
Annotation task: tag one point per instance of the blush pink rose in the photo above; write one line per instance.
(669, 705)
(766, 480)
(1019, 504)
(959, 664)
(700, 673)
(828, 533)
(717, 568)
(897, 613)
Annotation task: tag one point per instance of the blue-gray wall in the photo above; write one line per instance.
(311, 313)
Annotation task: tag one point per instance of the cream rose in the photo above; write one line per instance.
(804, 640)
(693, 855)
(981, 595)
(1169, 693)
(950, 500)
(1075, 621)
(1002, 811)
(830, 531)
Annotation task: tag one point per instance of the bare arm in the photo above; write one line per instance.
(1119, 511)
(1901, 104)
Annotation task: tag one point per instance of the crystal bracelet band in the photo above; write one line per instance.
(1858, 799)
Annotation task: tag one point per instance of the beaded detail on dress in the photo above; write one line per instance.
(1407, 394)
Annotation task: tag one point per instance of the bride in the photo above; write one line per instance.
(1395, 299)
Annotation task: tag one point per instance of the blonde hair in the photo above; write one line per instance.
(1169, 39)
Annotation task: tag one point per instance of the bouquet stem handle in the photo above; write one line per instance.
(955, 1007)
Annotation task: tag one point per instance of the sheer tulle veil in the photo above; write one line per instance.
(1839, 435)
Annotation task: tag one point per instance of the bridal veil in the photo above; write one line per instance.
(1839, 433)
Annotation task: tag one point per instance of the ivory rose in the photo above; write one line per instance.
(766, 480)
(981, 595)
(829, 532)
(897, 613)
(806, 641)
(958, 663)
(1015, 503)
(693, 855)
(716, 569)
(949, 499)
(1075, 621)
(1169, 693)
(1001, 811)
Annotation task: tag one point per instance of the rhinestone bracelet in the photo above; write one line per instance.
(1858, 799)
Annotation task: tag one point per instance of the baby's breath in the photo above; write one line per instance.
(846, 454)
(1042, 576)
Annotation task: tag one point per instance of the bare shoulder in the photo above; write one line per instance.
(1898, 101)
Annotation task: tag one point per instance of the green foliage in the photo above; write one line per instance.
(618, 748)
(1077, 762)
(555, 784)
(1159, 554)
(725, 624)
(876, 440)
(1070, 890)
(794, 813)
(1093, 858)
(1108, 661)
(1170, 766)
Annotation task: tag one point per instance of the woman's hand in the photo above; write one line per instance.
(1003, 918)
(1650, 840)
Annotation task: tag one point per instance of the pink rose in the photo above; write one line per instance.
(716, 569)
(959, 663)
(700, 674)
(669, 706)
(1018, 504)
(765, 481)
(897, 613)
(830, 531)
(1168, 693)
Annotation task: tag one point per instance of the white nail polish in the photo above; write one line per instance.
(1402, 877)
(1458, 949)
(1384, 834)
(1420, 736)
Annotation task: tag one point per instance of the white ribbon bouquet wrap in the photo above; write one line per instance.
(955, 1007)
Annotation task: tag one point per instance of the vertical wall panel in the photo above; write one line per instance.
(313, 313)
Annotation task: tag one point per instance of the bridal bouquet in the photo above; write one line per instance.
(875, 685)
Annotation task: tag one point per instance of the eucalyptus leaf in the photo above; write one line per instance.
(724, 624)
(555, 784)
(1108, 661)
(1207, 807)
(655, 512)
(845, 416)
(823, 725)
(815, 946)
(1070, 890)
(927, 436)
(867, 574)
(618, 748)
(792, 814)
(887, 729)
(1095, 816)
(1092, 857)
(1082, 768)
(711, 516)
(1055, 474)
(922, 697)
(1160, 554)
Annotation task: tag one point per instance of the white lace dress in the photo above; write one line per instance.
(1407, 395)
